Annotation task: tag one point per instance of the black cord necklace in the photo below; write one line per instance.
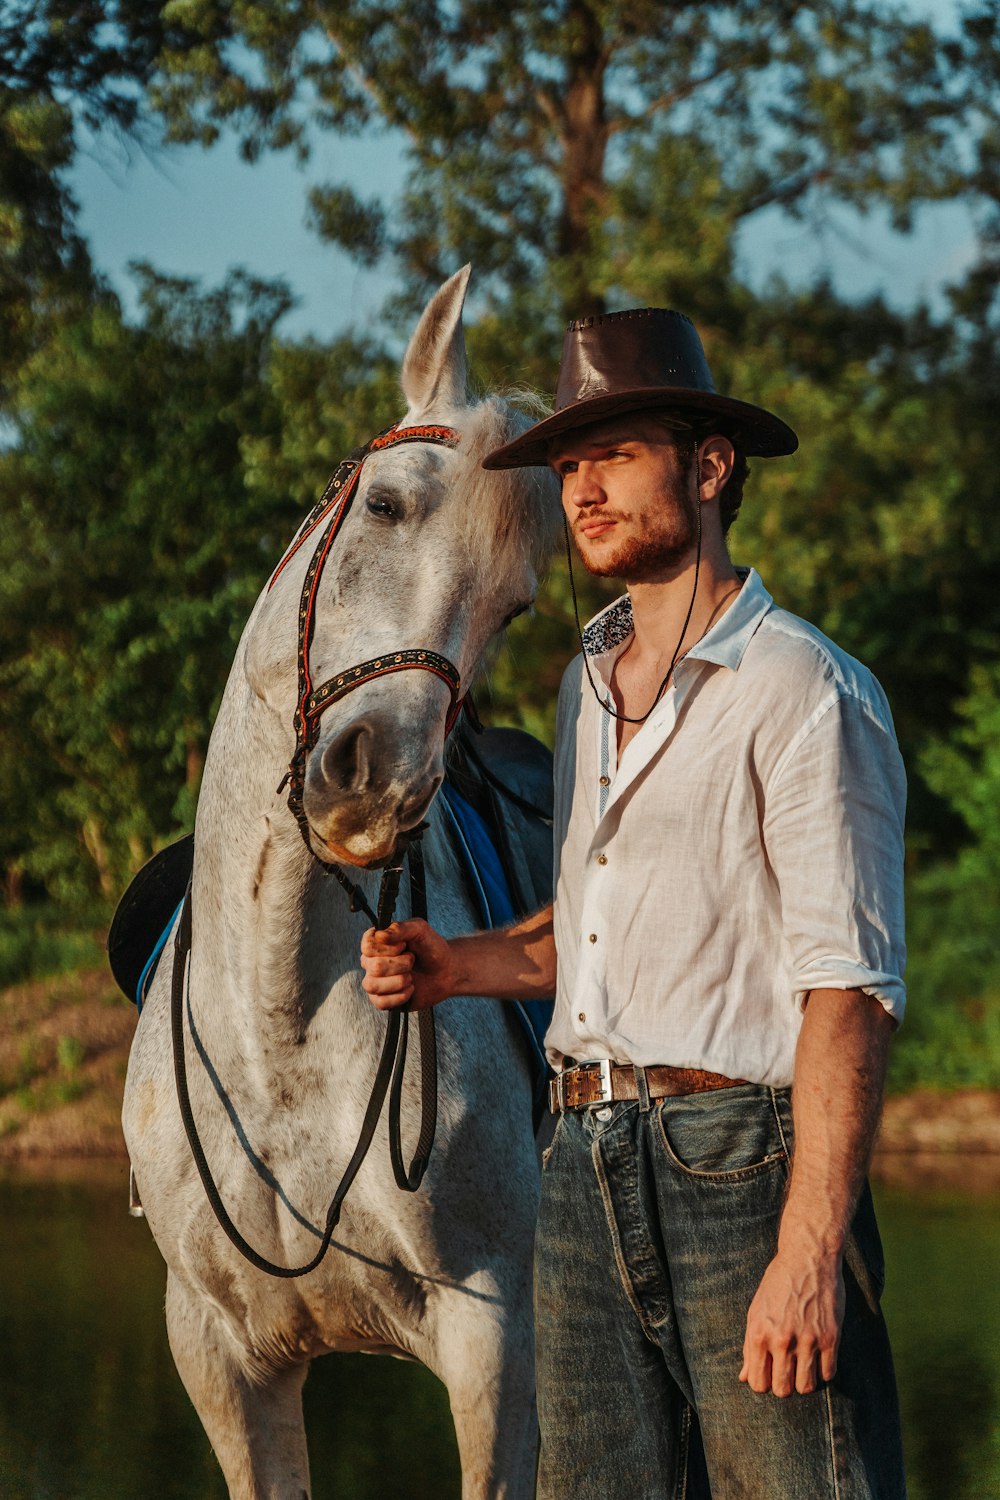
(626, 718)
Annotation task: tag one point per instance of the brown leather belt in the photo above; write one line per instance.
(607, 1082)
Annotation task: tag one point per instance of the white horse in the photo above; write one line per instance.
(281, 1042)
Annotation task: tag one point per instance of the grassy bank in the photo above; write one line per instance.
(63, 1053)
(64, 1045)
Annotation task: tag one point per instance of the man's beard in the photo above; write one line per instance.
(646, 558)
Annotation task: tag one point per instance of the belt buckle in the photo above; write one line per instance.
(606, 1096)
(568, 1086)
(581, 1082)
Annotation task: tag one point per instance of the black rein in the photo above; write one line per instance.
(388, 1078)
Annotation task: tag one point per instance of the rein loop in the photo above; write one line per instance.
(388, 1079)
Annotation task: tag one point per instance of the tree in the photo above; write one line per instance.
(131, 552)
(584, 151)
(63, 64)
(536, 130)
(954, 1034)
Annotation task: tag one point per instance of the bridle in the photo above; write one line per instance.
(332, 507)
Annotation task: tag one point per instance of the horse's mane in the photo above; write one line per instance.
(508, 510)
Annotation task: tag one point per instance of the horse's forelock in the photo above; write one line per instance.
(507, 510)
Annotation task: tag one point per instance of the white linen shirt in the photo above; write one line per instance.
(747, 849)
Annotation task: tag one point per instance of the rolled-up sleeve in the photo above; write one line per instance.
(833, 834)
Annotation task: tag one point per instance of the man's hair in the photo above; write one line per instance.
(687, 435)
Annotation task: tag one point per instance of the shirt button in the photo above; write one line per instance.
(605, 781)
(582, 1016)
(592, 938)
(602, 859)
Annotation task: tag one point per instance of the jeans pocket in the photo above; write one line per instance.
(721, 1138)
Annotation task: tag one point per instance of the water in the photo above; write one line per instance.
(92, 1409)
(942, 1304)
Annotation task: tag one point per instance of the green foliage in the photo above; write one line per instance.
(966, 771)
(70, 1054)
(27, 1068)
(952, 1034)
(44, 939)
(131, 554)
(62, 63)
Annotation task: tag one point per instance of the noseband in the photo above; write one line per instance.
(332, 507)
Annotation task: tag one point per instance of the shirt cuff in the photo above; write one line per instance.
(837, 974)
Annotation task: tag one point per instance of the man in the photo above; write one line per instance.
(726, 950)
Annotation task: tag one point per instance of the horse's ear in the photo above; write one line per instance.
(434, 367)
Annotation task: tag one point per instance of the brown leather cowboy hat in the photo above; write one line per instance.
(633, 361)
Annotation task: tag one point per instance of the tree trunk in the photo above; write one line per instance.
(584, 144)
(93, 840)
(13, 886)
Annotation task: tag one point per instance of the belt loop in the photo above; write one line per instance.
(642, 1088)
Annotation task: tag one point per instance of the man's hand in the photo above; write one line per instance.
(407, 964)
(795, 1318)
(794, 1323)
(411, 964)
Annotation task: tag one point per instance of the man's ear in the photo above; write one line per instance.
(715, 464)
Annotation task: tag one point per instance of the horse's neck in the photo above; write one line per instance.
(255, 889)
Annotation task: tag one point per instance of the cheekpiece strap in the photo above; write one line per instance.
(342, 483)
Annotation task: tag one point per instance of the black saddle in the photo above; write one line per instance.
(144, 911)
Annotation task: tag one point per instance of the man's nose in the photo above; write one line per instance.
(587, 488)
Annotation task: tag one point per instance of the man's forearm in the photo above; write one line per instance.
(511, 963)
(411, 964)
(840, 1068)
(794, 1321)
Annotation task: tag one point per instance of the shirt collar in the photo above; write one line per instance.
(724, 644)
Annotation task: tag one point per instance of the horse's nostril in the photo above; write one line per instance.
(346, 763)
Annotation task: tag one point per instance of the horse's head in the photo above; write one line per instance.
(434, 555)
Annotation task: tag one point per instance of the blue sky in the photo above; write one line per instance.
(193, 212)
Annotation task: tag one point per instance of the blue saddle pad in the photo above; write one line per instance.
(487, 878)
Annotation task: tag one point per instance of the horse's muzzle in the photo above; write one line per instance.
(362, 792)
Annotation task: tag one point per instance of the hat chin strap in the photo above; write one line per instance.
(604, 702)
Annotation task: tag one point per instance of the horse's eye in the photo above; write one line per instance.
(381, 505)
(522, 609)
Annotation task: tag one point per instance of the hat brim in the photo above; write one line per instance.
(760, 433)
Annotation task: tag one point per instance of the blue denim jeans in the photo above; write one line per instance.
(655, 1229)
